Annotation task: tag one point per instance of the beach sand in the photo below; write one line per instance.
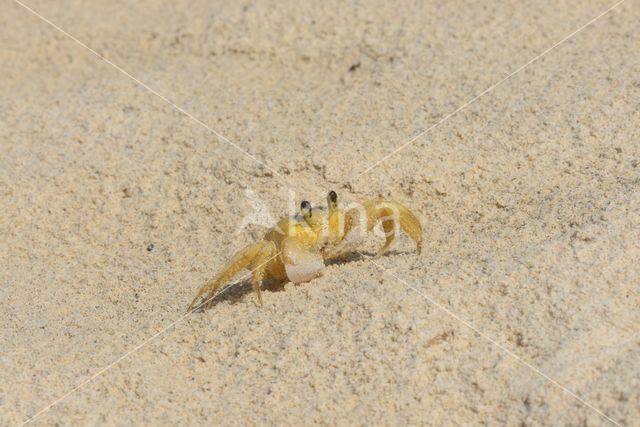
(118, 201)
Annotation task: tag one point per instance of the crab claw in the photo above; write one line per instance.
(300, 264)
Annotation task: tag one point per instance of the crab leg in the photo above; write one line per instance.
(394, 216)
(254, 257)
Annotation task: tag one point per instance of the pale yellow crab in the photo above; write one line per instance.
(297, 247)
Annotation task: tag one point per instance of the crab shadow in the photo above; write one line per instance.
(359, 256)
(235, 292)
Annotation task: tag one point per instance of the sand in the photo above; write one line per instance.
(116, 207)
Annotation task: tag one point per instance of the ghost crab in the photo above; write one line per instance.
(297, 247)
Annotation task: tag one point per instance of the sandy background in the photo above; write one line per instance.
(530, 199)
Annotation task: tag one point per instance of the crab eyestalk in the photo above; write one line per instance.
(335, 224)
(305, 209)
(332, 201)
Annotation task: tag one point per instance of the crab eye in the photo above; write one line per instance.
(333, 196)
(305, 207)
